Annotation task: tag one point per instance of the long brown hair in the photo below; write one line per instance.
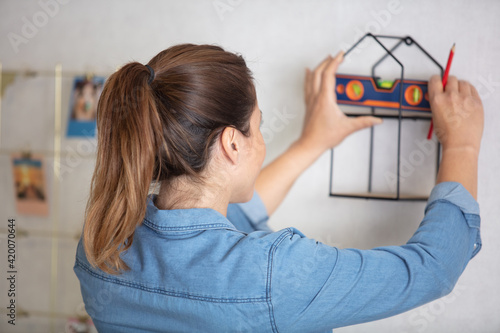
(152, 132)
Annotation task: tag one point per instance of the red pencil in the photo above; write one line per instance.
(445, 80)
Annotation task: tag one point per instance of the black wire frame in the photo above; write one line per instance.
(389, 53)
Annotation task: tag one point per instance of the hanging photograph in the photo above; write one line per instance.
(82, 324)
(30, 185)
(83, 106)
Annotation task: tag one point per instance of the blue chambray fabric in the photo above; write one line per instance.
(195, 270)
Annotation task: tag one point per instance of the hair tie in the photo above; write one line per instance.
(151, 74)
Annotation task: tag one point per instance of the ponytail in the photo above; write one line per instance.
(129, 136)
(156, 123)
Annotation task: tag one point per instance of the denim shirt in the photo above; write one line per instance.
(194, 270)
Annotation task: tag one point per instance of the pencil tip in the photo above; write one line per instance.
(453, 47)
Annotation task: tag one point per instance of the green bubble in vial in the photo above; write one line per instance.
(357, 89)
(416, 95)
(385, 84)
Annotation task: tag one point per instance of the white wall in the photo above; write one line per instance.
(278, 39)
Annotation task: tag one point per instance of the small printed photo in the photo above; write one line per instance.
(80, 325)
(30, 185)
(83, 106)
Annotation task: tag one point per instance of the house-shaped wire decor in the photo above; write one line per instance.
(402, 99)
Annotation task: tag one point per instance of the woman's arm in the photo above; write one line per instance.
(276, 179)
(317, 287)
(325, 126)
(458, 117)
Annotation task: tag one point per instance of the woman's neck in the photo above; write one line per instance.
(182, 193)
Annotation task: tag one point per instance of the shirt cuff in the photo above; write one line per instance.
(455, 193)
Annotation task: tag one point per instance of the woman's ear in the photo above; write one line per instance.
(230, 145)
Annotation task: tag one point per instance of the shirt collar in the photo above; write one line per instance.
(191, 219)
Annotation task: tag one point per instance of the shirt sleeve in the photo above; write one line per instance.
(315, 287)
(249, 216)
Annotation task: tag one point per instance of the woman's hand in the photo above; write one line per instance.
(458, 117)
(457, 113)
(325, 125)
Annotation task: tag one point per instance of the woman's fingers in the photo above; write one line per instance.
(328, 81)
(451, 84)
(323, 76)
(435, 86)
(474, 92)
(325, 125)
(318, 74)
(464, 88)
(307, 86)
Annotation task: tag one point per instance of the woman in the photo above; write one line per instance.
(191, 259)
